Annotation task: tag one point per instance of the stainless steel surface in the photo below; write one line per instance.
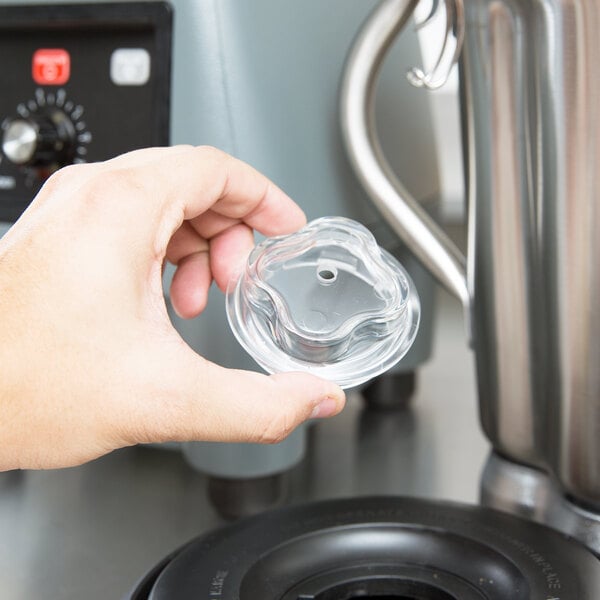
(448, 57)
(91, 531)
(530, 95)
(497, 88)
(530, 92)
(531, 493)
(569, 83)
(403, 213)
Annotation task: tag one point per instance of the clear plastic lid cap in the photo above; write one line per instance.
(327, 300)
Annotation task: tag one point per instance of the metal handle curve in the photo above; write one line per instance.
(408, 219)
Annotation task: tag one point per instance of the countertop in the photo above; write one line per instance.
(90, 532)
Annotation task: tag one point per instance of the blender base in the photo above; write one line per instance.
(530, 493)
(390, 391)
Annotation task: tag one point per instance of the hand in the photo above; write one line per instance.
(89, 361)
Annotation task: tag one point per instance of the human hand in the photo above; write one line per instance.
(89, 361)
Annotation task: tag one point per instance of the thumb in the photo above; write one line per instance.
(212, 403)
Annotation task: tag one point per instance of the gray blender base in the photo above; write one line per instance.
(530, 493)
(390, 391)
(278, 111)
(245, 479)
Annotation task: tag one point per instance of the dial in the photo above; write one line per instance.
(42, 140)
(47, 133)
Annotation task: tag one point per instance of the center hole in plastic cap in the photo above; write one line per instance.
(327, 274)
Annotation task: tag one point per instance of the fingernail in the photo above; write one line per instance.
(325, 408)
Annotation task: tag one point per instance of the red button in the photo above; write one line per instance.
(51, 66)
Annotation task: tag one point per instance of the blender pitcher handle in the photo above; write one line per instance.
(408, 219)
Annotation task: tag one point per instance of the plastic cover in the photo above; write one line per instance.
(327, 300)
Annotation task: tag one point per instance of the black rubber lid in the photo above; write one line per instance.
(380, 548)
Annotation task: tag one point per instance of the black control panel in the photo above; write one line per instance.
(78, 83)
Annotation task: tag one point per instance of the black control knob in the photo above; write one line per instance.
(41, 140)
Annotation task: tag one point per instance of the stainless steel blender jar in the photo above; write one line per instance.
(530, 100)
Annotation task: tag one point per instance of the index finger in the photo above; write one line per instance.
(192, 180)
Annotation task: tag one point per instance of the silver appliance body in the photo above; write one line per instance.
(530, 101)
(261, 80)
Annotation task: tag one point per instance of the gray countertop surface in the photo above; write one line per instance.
(90, 532)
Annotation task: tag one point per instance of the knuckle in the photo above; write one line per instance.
(215, 159)
(62, 177)
(277, 429)
(102, 188)
(211, 152)
(66, 172)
